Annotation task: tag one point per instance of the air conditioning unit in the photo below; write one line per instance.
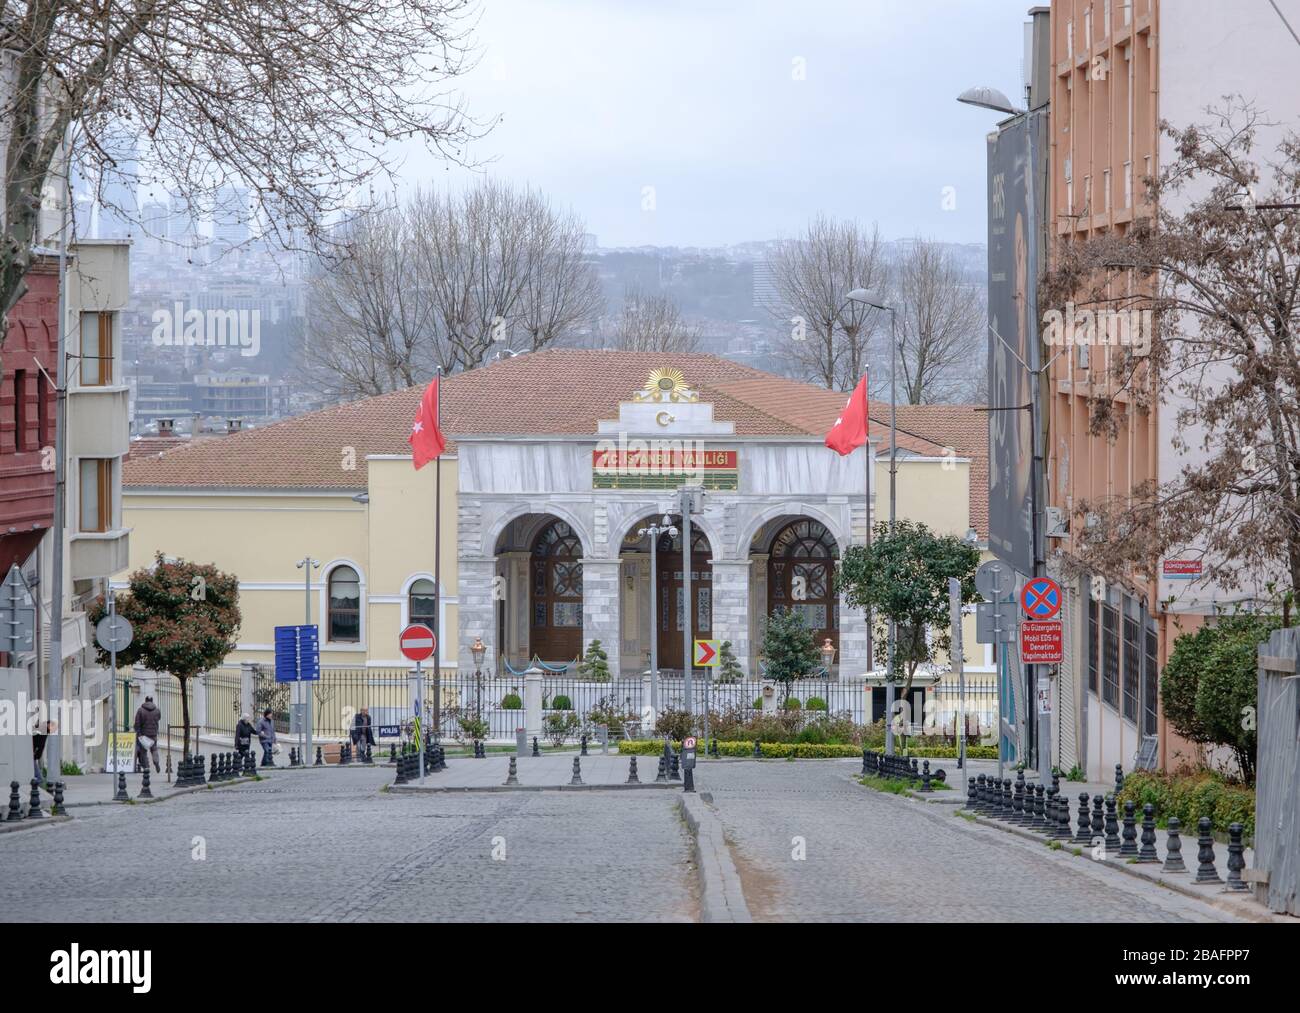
(1057, 523)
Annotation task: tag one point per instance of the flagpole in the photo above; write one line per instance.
(437, 573)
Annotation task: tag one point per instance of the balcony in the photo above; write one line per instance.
(98, 553)
(98, 421)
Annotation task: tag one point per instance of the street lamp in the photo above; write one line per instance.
(868, 298)
(828, 656)
(664, 527)
(478, 649)
(986, 97)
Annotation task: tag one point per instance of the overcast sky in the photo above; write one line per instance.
(745, 116)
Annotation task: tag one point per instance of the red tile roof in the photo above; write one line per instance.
(561, 391)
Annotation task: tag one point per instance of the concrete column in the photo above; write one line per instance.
(600, 608)
(757, 608)
(477, 617)
(648, 717)
(731, 611)
(533, 702)
(246, 703)
(853, 660)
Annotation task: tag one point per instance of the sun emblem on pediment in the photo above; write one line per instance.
(666, 385)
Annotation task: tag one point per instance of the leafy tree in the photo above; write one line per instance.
(729, 669)
(1209, 685)
(594, 667)
(903, 577)
(788, 647)
(185, 618)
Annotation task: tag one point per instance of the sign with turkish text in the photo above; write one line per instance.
(1181, 569)
(667, 467)
(1042, 643)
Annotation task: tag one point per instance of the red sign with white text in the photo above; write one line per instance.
(1042, 643)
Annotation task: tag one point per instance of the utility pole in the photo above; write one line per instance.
(691, 497)
(305, 691)
(653, 531)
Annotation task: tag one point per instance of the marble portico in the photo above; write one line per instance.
(550, 559)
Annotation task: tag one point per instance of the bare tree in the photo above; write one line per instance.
(830, 335)
(652, 323)
(296, 102)
(941, 323)
(445, 281)
(1211, 284)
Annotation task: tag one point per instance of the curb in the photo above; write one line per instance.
(13, 826)
(722, 899)
(163, 798)
(396, 789)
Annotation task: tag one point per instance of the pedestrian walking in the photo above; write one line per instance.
(38, 750)
(266, 736)
(147, 719)
(244, 735)
(362, 734)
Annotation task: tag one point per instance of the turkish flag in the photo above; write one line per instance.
(426, 438)
(850, 429)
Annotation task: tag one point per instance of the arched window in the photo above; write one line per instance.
(344, 605)
(801, 572)
(422, 603)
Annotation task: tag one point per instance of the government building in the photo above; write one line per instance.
(556, 462)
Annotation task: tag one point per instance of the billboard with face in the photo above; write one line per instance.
(1015, 208)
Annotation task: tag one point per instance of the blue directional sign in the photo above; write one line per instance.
(297, 654)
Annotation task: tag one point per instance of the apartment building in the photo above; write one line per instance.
(1119, 70)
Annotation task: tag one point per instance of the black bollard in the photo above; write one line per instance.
(512, 777)
(392, 753)
(981, 793)
(662, 775)
(971, 798)
(34, 803)
(1112, 828)
(15, 802)
(1206, 872)
(674, 767)
(1119, 778)
(250, 765)
(583, 741)
(925, 778)
(198, 768)
(864, 761)
(1174, 847)
(536, 751)
(212, 774)
(1098, 822)
(1084, 834)
(1040, 815)
(401, 771)
(1061, 813)
(1018, 803)
(1129, 848)
(689, 784)
(577, 772)
(144, 784)
(320, 759)
(1147, 853)
(631, 773)
(1236, 859)
(293, 756)
(1027, 801)
(118, 796)
(169, 767)
(57, 808)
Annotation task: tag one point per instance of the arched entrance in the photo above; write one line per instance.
(800, 576)
(555, 613)
(670, 609)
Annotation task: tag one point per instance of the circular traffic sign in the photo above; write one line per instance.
(688, 742)
(994, 579)
(417, 642)
(1041, 598)
(114, 633)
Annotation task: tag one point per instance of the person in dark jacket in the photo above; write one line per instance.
(362, 735)
(266, 736)
(147, 719)
(38, 749)
(244, 735)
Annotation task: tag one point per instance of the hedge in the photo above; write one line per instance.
(802, 750)
(1191, 796)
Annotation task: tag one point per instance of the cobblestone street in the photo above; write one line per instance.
(328, 846)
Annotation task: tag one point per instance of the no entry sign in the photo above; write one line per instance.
(417, 642)
(1041, 598)
(1041, 643)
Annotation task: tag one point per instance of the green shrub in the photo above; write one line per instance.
(791, 704)
(558, 726)
(814, 732)
(1191, 796)
(769, 750)
(511, 702)
(816, 703)
(560, 702)
(674, 722)
(472, 728)
(758, 703)
(594, 666)
(70, 769)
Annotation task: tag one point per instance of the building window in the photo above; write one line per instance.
(1110, 655)
(20, 411)
(1094, 648)
(42, 412)
(422, 603)
(96, 494)
(1151, 680)
(344, 605)
(1128, 184)
(1132, 667)
(1105, 184)
(96, 349)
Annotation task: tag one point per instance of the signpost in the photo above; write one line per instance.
(688, 763)
(297, 660)
(1042, 642)
(113, 633)
(417, 643)
(995, 580)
